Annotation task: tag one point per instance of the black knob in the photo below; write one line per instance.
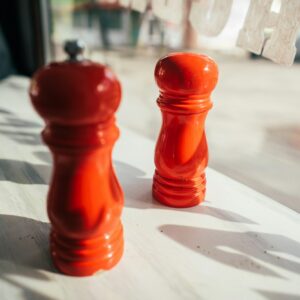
(75, 49)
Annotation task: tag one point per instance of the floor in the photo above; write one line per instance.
(253, 129)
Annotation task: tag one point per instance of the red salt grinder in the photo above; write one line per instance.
(77, 99)
(185, 81)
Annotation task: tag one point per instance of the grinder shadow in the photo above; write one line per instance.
(24, 252)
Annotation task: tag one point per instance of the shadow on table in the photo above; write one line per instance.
(138, 194)
(27, 138)
(24, 252)
(13, 124)
(5, 112)
(23, 172)
(44, 156)
(278, 296)
(240, 250)
(16, 122)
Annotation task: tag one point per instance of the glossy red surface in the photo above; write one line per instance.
(185, 81)
(78, 100)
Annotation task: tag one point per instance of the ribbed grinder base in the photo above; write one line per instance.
(179, 193)
(85, 257)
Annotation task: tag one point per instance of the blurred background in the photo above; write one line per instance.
(253, 129)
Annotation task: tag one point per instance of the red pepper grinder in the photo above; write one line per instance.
(185, 81)
(77, 99)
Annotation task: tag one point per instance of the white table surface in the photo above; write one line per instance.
(239, 244)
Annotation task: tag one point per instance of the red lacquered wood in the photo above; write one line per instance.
(77, 100)
(185, 81)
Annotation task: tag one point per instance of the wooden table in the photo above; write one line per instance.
(238, 245)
